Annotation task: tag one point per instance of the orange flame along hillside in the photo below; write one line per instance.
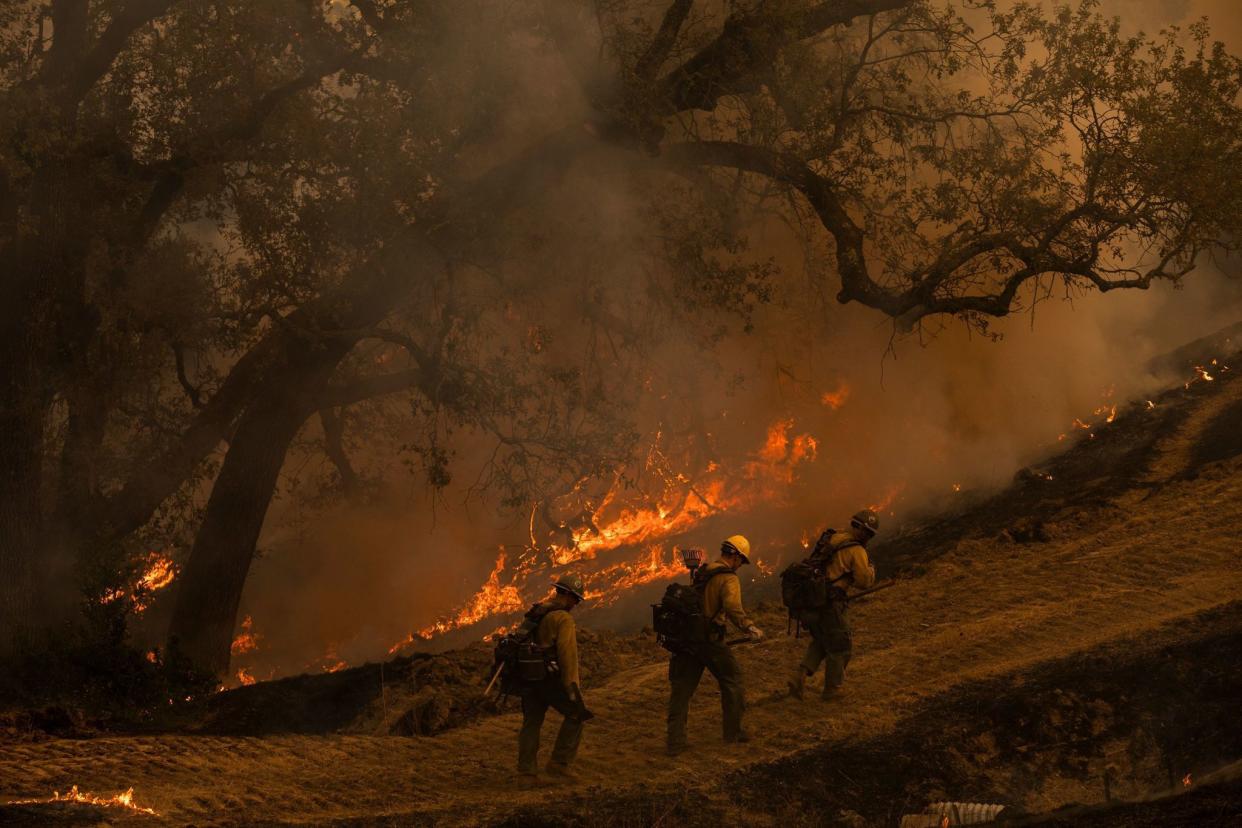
(625, 519)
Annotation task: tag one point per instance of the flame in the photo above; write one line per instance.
(627, 518)
(627, 575)
(158, 573)
(832, 400)
(885, 503)
(493, 599)
(1108, 410)
(121, 800)
(247, 640)
(957, 487)
(1204, 374)
(244, 677)
(1187, 781)
(1150, 405)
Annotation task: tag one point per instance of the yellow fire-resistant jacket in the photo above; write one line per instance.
(853, 560)
(722, 597)
(557, 627)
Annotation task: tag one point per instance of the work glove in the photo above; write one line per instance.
(755, 632)
(575, 695)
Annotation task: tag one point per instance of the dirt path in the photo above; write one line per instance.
(986, 609)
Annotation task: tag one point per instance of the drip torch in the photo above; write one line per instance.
(692, 557)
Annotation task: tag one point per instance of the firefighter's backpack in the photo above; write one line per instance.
(523, 660)
(803, 585)
(679, 620)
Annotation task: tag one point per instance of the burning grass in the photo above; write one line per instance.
(640, 525)
(123, 800)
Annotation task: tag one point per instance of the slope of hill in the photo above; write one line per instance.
(1083, 625)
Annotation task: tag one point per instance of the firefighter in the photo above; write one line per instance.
(843, 557)
(559, 690)
(722, 599)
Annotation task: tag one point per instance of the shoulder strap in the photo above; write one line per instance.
(825, 543)
(532, 619)
(837, 550)
(701, 582)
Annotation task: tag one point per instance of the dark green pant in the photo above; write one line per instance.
(536, 699)
(831, 643)
(684, 672)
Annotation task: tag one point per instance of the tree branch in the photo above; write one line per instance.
(334, 447)
(170, 179)
(749, 42)
(662, 44)
(191, 390)
(78, 77)
(339, 396)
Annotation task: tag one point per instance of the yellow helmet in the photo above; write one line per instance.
(737, 544)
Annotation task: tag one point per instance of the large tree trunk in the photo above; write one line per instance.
(210, 586)
(21, 508)
(35, 592)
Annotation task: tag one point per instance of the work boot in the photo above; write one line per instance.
(831, 691)
(676, 749)
(561, 772)
(798, 683)
(741, 737)
(528, 779)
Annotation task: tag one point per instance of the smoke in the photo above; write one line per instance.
(900, 423)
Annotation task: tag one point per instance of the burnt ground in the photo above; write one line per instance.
(1042, 638)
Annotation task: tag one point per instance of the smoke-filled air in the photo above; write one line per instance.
(377, 375)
